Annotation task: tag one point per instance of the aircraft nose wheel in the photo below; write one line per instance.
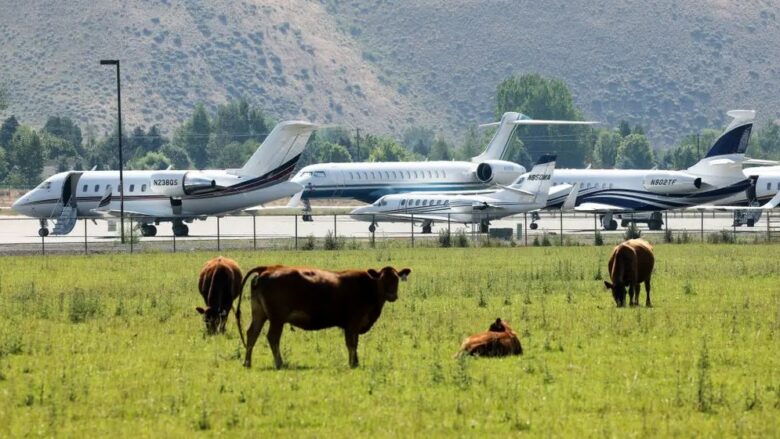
(43, 232)
(533, 226)
(148, 230)
(372, 228)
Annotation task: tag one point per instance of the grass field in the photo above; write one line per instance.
(111, 345)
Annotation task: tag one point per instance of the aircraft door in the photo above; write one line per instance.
(70, 188)
(337, 178)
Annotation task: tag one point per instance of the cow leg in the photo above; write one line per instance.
(351, 339)
(633, 294)
(647, 296)
(258, 320)
(273, 336)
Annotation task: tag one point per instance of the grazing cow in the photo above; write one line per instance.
(630, 264)
(313, 299)
(219, 284)
(498, 341)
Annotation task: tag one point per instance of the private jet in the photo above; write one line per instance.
(179, 196)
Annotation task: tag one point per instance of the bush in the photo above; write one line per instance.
(546, 241)
(83, 306)
(332, 242)
(722, 237)
(461, 240)
(632, 232)
(445, 238)
(598, 239)
(683, 238)
(668, 236)
(309, 243)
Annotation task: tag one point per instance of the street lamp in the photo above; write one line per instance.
(115, 62)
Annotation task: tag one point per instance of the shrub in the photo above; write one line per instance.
(598, 239)
(83, 306)
(546, 241)
(632, 232)
(724, 237)
(445, 238)
(461, 240)
(332, 242)
(683, 238)
(309, 243)
(668, 236)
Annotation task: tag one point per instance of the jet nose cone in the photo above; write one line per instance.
(17, 205)
(360, 213)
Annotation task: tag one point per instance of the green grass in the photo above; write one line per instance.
(112, 345)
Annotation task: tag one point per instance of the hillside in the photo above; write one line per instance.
(382, 65)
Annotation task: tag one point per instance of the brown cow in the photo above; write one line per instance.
(498, 341)
(219, 284)
(313, 299)
(630, 264)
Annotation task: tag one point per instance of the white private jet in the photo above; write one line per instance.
(368, 181)
(527, 193)
(170, 195)
(625, 192)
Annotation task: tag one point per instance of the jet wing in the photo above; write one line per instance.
(599, 208)
(571, 199)
(116, 213)
(771, 204)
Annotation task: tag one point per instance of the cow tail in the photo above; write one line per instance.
(256, 270)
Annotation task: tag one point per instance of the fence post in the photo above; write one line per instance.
(254, 231)
(174, 243)
(85, 236)
(525, 227)
(768, 218)
(43, 245)
(373, 231)
(335, 232)
(595, 227)
(412, 223)
(702, 226)
(561, 214)
(131, 235)
(449, 230)
(296, 232)
(219, 244)
(666, 220)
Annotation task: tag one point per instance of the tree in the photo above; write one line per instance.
(65, 129)
(543, 98)
(3, 97)
(234, 154)
(440, 150)
(137, 146)
(194, 136)
(3, 165)
(624, 128)
(56, 148)
(7, 131)
(177, 155)
(332, 153)
(418, 140)
(26, 156)
(767, 142)
(471, 146)
(634, 152)
(386, 149)
(605, 151)
(151, 160)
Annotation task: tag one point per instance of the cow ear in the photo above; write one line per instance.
(373, 273)
(200, 310)
(608, 285)
(403, 274)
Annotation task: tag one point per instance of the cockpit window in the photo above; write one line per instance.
(318, 173)
(45, 185)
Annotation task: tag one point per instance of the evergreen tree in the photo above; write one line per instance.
(471, 146)
(624, 129)
(440, 150)
(177, 155)
(150, 160)
(3, 165)
(385, 149)
(66, 129)
(195, 137)
(7, 131)
(419, 140)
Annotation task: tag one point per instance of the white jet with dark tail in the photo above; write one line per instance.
(178, 196)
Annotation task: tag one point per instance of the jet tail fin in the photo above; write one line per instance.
(538, 180)
(282, 148)
(734, 139)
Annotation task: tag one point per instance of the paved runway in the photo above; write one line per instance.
(21, 232)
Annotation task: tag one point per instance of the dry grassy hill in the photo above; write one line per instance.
(381, 65)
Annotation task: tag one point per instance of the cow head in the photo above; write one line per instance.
(388, 278)
(214, 318)
(497, 326)
(618, 293)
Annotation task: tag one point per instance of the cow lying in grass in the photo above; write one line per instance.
(313, 299)
(498, 341)
(630, 264)
(219, 284)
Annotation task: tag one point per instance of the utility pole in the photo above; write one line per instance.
(115, 62)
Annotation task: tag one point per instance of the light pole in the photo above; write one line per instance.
(115, 62)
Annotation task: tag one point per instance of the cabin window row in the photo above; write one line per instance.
(415, 203)
(769, 186)
(395, 175)
(589, 185)
(109, 188)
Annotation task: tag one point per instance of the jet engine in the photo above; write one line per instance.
(671, 182)
(497, 171)
(181, 183)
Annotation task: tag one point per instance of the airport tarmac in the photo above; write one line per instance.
(18, 234)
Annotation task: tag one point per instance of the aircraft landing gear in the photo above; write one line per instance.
(372, 228)
(533, 226)
(484, 226)
(656, 221)
(307, 211)
(180, 229)
(44, 230)
(608, 223)
(534, 218)
(426, 227)
(148, 230)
